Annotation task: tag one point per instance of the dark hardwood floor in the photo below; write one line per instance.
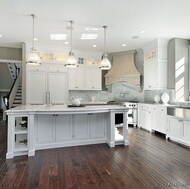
(148, 162)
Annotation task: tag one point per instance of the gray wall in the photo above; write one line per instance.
(5, 78)
(178, 54)
(10, 53)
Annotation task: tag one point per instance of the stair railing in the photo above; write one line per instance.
(14, 89)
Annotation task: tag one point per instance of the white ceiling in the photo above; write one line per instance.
(124, 18)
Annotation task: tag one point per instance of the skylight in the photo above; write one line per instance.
(58, 36)
(88, 36)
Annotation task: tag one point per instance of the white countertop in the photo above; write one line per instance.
(63, 108)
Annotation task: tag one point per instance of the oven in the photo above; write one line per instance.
(132, 114)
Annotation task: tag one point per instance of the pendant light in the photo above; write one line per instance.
(105, 63)
(71, 61)
(33, 57)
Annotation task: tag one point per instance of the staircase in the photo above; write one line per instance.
(18, 98)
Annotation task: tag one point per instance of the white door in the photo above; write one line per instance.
(80, 78)
(151, 75)
(45, 129)
(36, 87)
(76, 78)
(71, 78)
(81, 128)
(58, 87)
(97, 125)
(186, 131)
(63, 127)
(93, 79)
(174, 128)
(159, 121)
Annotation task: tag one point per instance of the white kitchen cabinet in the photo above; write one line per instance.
(145, 116)
(85, 78)
(36, 85)
(57, 81)
(52, 128)
(174, 128)
(97, 125)
(45, 129)
(46, 83)
(159, 119)
(178, 130)
(150, 75)
(186, 131)
(155, 75)
(52, 57)
(93, 79)
(76, 78)
(155, 65)
(81, 126)
(63, 127)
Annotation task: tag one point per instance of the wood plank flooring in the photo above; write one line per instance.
(148, 162)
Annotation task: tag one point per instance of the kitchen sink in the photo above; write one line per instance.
(180, 111)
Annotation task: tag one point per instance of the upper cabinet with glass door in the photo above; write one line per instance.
(155, 65)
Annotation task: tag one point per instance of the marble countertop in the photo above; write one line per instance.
(63, 108)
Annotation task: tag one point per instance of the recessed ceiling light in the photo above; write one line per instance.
(142, 31)
(94, 46)
(58, 36)
(66, 42)
(123, 45)
(92, 29)
(0, 35)
(135, 37)
(35, 39)
(88, 36)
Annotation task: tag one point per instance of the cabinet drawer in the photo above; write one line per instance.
(160, 109)
(37, 68)
(145, 106)
(58, 69)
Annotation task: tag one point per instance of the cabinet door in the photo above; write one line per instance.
(76, 78)
(97, 125)
(36, 87)
(150, 75)
(174, 128)
(159, 121)
(45, 128)
(93, 79)
(81, 128)
(57, 84)
(63, 127)
(186, 131)
(145, 117)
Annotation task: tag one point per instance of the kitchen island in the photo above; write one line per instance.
(35, 127)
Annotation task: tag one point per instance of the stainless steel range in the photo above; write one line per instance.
(132, 114)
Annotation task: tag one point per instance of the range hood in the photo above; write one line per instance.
(123, 69)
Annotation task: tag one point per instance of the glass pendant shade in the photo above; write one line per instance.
(105, 63)
(71, 61)
(33, 58)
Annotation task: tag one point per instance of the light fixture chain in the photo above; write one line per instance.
(71, 35)
(33, 31)
(104, 39)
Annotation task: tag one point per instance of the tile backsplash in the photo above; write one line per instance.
(122, 91)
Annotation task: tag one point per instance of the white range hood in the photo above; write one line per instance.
(123, 69)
